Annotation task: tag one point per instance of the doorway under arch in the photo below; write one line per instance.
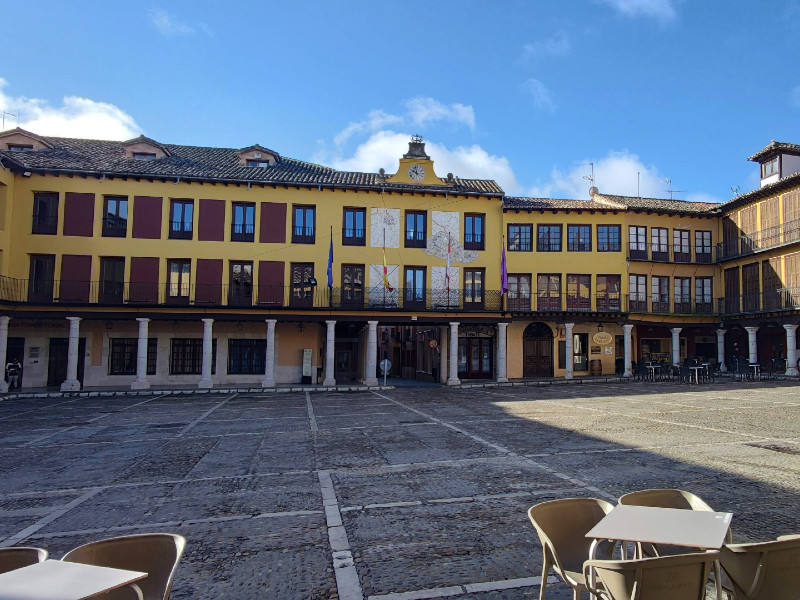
(537, 345)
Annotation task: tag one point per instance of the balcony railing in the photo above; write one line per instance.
(668, 253)
(115, 227)
(635, 303)
(243, 232)
(179, 230)
(353, 237)
(782, 299)
(765, 239)
(275, 297)
(567, 303)
(266, 296)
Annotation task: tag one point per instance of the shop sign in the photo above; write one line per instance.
(602, 337)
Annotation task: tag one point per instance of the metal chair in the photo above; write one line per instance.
(681, 577)
(16, 558)
(764, 570)
(156, 554)
(562, 526)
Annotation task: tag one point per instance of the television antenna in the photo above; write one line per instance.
(589, 178)
(735, 189)
(5, 112)
(668, 181)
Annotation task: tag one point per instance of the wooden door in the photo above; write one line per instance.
(538, 357)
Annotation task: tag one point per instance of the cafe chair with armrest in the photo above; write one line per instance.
(156, 554)
(16, 558)
(562, 526)
(681, 577)
(764, 570)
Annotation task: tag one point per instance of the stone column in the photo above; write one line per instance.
(141, 383)
(269, 359)
(569, 358)
(676, 345)
(791, 350)
(72, 384)
(205, 379)
(330, 345)
(442, 354)
(752, 345)
(453, 347)
(627, 330)
(371, 376)
(4, 349)
(501, 353)
(721, 350)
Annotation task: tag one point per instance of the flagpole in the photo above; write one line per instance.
(330, 272)
(385, 271)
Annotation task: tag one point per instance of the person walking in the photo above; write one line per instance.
(13, 371)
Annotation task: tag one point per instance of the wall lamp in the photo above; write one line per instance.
(301, 328)
(26, 174)
(239, 326)
(599, 327)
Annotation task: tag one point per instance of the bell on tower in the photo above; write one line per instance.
(416, 148)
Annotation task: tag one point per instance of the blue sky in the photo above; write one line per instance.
(520, 92)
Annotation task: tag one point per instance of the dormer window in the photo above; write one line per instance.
(143, 148)
(20, 147)
(257, 156)
(769, 167)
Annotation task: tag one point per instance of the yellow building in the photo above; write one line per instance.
(140, 263)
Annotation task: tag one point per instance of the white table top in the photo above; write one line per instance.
(56, 580)
(679, 527)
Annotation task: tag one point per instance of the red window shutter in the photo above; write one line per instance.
(211, 223)
(270, 282)
(144, 280)
(147, 217)
(208, 281)
(76, 273)
(78, 214)
(273, 223)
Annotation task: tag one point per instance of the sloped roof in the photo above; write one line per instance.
(775, 148)
(518, 203)
(775, 187)
(611, 202)
(100, 157)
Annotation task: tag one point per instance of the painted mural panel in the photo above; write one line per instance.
(385, 220)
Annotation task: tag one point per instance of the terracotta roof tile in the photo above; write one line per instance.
(215, 164)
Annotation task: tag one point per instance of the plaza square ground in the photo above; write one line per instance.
(410, 493)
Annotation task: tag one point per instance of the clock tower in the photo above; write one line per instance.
(416, 167)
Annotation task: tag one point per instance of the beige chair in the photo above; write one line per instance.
(156, 554)
(681, 577)
(764, 570)
(666, 498)
(16, 558)
(562, 526)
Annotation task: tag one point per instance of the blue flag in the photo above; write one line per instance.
(330, 265)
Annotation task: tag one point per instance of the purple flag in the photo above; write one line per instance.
(330, 265)
(503, 272)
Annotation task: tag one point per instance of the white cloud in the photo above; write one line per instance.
(794, 97)
(662, 10)
(556, 45)
(427, 110)
(166, 24)
(542, 97)
(376, 119)
(76, 117)
(384, 148)
(616, 174)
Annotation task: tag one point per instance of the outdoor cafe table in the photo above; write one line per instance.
(57, 580)
(696, 372)
(673, 526)
(654, 368)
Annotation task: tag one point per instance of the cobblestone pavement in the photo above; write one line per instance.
(402, 494)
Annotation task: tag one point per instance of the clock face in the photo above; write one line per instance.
(416, 172)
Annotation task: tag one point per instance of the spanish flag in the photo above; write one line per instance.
(386, 272)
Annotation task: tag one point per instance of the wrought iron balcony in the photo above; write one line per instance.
(650, 252)
(771, 237)
(782, 299)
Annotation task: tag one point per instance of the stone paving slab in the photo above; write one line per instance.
(392, 494)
